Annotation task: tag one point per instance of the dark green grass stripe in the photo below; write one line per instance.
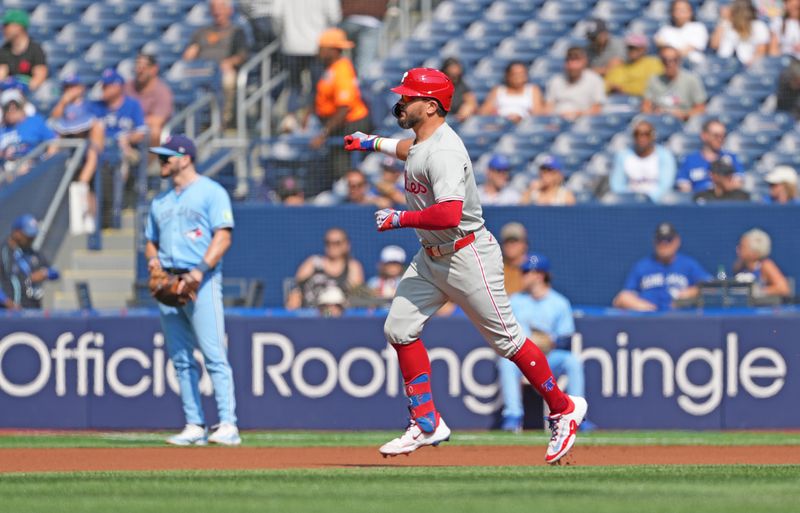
(729, 489)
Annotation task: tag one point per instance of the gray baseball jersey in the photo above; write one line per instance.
(439, 169)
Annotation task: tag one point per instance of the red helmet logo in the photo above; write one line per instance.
(427, 83)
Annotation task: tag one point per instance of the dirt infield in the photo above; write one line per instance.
(217, 458)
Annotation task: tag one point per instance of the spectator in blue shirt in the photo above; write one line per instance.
(658, 280)
(125, 129)
(545, 317)
(694, 174)
(20, 133)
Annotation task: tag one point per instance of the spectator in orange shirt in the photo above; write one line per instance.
(338, 103)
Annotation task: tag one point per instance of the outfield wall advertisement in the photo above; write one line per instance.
(683, 372)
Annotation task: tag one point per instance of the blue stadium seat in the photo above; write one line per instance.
(104, 54)
(618, 12)
(468, 51)
(158, 15)
(772, 159)
(104, 17)
(461, 13)
(74, 5)
(46, 96)
(734, 105)
(48, 19)
(197, 75)
(491, 32)
(85, 71)
(546, 66)
(774, 125)
(681, 144)
(645, 25)
(178, 33)
(485, 124)
(25, 5)
(510, 12)
(75, 37)
(568, 12)
(625, 198)
(134, 34)
(199, 15)
(424, 48)
(57, 55)
(521, 49)
(166, 53)
(579, 145)
(183, 5)
(622, 103)
(438, 32)
(552, 125)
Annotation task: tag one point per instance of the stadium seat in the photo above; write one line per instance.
(438, 32)
(468, 51)
(681, 144)
(74, 5)
(491, 32)
(774, 125)
(57, 56)
(75, 37)
(134, 34)
(562, 11)
(48, 19)
(198, 16)
(757, 87)
(104, 17)
(461, 13)
(84, 70)
(622, 103)
(510, 12)
(25, 5)
(546, 66)
(664, 124)
(521, 49)
(158, 15)
(625, 198)
(166, 53)
(484, 125)
(103, 54)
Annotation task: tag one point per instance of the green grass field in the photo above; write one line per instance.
(739, 488)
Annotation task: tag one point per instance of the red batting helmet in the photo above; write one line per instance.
(427, 83)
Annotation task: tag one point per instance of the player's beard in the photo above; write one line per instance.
(409, 121)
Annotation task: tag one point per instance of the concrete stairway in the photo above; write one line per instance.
(110, 272)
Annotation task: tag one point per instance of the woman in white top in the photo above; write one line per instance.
(516, 99)
(686, 35)
(786, 31)
(740, 33)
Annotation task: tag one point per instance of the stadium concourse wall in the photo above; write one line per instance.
(591, 247)
(737, 370)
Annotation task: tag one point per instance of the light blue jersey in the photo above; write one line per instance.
(551, 314)
(182, 225)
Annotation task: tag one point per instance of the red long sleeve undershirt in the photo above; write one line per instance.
(440, 216)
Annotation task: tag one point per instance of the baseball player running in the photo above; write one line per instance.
(459, 260)
(188, 230)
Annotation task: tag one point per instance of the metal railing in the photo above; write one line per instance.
(188, 122)
(79, 145)
(262, 63)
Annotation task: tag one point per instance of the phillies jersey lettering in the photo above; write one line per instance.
(439, 169)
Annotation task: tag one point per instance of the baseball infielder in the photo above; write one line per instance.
(459, 260)
(188, 230)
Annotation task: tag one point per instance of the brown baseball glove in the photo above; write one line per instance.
(172, 290)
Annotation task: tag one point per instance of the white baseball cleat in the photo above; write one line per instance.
(564, 429)
(414, 438)
(226, 434)
(192, 434)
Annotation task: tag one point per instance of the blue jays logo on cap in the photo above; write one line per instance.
(536, 262)
(110, 76)
(550, 162)
(499, 163)
(176, 146)
(27, 224)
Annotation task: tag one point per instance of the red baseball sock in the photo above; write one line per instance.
(533, 364)
(416, 369)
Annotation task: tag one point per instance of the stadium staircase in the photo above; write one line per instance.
(109, 272)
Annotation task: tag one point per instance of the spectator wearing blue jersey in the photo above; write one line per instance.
(656, 281)
(125, 129)
(545, 317)
(694, 175)
(20, 133)
(646, 168)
